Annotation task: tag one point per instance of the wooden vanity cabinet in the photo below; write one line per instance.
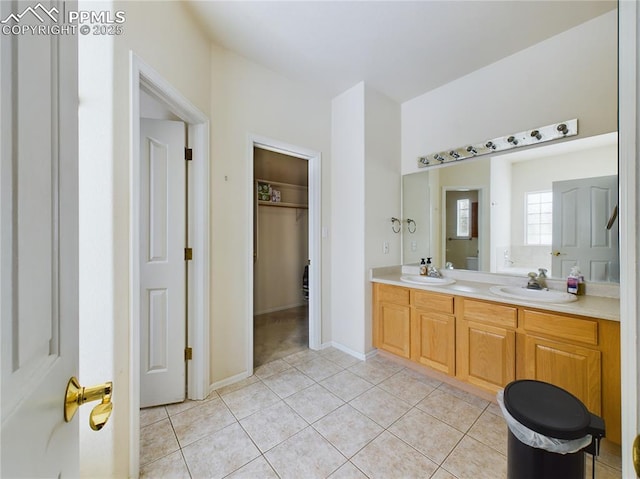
(486, 343)
(433, 330)
(416, 325)
(392, 319)
(490, 344)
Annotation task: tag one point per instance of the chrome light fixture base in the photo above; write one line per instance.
(534, 136)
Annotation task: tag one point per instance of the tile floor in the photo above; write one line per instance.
(327, 415)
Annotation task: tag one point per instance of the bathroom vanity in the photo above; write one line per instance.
(465, 331)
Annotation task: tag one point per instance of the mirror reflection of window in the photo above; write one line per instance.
(463, 209)
(539, 221)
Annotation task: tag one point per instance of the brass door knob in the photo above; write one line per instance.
(77, 395)
(556, 253)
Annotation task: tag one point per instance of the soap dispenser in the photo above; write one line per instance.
(429, 267)
(575, 271)
(423, 268)
(572, 281)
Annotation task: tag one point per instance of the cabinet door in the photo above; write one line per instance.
(573, 368)
(486, 355)
(433, 340)
(394, 333)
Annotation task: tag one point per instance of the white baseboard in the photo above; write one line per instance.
(351, 352)
(230, 380)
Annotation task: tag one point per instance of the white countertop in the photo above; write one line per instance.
(601, 307)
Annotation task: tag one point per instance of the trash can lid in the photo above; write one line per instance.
(547, 409)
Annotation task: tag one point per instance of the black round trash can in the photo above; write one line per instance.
(552, 412)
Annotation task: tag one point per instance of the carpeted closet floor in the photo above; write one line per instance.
(279, 334)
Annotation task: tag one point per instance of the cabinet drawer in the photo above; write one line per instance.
(491, 313)
(442, 303)
(565, 327)
(393, 294)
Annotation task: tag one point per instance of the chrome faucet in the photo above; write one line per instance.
(542, 278)
(537, 281)
(533, 281)
(433, 272)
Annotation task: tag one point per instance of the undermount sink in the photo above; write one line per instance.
(534, 295)
(431, 281)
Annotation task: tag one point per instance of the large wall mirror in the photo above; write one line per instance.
(549, 207)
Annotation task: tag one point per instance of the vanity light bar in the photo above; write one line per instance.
(517, 140)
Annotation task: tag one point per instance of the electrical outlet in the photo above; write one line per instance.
(385, 247)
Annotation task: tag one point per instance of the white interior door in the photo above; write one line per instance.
(581, 210)
(39, 246)
(629, 151)
(162, 262)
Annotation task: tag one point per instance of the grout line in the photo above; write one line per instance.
(186, 464)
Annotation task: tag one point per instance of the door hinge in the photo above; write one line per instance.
(188, 354)
(188, 154)
(188, 254)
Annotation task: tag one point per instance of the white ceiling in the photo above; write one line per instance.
(402, 49)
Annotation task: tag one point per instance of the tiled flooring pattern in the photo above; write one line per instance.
(327, 415)
(279, 334)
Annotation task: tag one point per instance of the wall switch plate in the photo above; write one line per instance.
(385, 247)
(414, 246)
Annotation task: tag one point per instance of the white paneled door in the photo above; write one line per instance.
(162, 262)
(39, 245)
(582, 210)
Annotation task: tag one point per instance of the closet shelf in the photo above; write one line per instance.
(282, 204)
(278, 183)
(290, 195)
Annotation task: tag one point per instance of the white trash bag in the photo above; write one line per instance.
(540, 441)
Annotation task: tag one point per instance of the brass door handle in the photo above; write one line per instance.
(556, 253)
(77, 395)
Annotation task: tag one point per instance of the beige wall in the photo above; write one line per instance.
(416, 205)
(347, 218)
(365, 191)
(282, 254)
(382, 193)
(248, 99)
(570, 75)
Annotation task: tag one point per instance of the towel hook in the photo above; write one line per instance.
(395, 223)
(409, 223)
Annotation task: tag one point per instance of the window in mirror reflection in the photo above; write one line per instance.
(539, 218)
(462, 222)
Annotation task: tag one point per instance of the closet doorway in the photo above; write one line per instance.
(281, 255)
